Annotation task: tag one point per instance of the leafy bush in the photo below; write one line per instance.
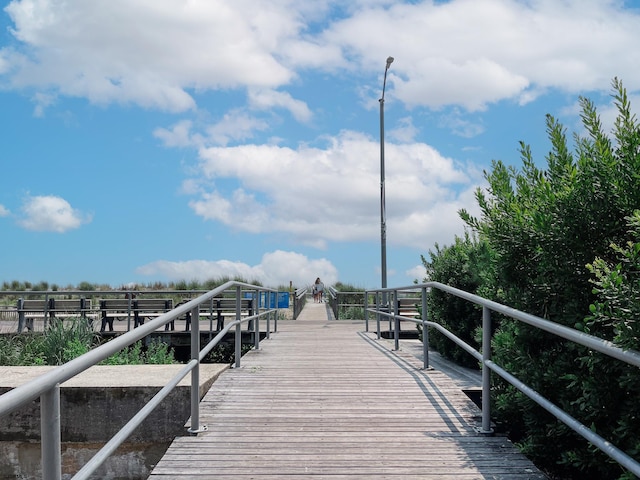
(465, 265)
(351, 313)
(64, 341)
(545, 227)
(157, 352)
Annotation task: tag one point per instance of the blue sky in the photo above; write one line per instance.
(172, 140)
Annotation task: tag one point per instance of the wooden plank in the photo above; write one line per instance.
(322, 399)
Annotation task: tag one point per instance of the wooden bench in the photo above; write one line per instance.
(52, 309)
(224, 308)
(139, 308)
(408, 307)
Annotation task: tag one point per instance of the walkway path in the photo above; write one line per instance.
(322, 399)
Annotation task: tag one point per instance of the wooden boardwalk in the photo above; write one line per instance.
(323, 399)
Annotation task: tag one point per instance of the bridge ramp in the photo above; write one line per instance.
(323, 399)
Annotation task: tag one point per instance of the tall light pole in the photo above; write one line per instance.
(383, 213)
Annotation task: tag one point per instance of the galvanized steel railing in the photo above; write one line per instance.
(12, 312)
(341, 301)
(382, 309)
(299, 300)
(47, 387)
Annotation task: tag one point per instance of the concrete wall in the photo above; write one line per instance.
(94, 406)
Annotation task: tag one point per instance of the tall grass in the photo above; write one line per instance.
(64, 341)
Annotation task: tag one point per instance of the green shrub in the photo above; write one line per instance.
(351, 313)
(465, 265)
(545, 226)
(64, 341)
(157, 352)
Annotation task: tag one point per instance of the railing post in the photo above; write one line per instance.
(295, 304)
(425, 331)
(378, 313)
(50, 434)
(486, 372)
(275, 319)
(366, 313)
(238, 329)
(130, 298)
(256, 323)
(388, 309)
(211, 318)
(195, 373)
(396, 323)
(275, 306)
(21, 317)
(334, 302)
(46, 310)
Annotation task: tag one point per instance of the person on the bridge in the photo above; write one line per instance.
(318, 289)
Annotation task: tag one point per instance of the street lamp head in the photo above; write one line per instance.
(389, 61)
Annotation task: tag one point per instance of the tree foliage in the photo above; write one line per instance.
(465, 265)
(545, 226)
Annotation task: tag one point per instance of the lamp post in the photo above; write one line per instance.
(383, 213)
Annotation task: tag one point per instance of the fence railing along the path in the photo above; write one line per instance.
(47, 387)
(385, 306)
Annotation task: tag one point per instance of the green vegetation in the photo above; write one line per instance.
(63, 342)
(351, 300)
(562, 243)
(60, 344)
(467, 265)
(156, 353)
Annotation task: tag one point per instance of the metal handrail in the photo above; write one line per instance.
(336, 304)
(47, 386)
(91, 313)
(299, 300)
(484, 355)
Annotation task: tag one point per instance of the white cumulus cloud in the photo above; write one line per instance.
(276, 269)
(49, 213)
(332, 194)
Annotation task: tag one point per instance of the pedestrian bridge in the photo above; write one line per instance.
(324, 399)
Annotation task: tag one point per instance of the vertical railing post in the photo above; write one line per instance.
(396, 323)
(256, 323)
(388, 309)
(46, 310)
(275, 307)
(378, 313)
(295, 304)
(195, 373)
(425, 331)
(486, 372)
(130, 298)
(211, 318)
(366, 313)
(238, 328)
(275, 317)
(21, 317)
(50, 434)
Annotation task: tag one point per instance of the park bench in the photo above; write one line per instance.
(223, 308)
(52, 309)
(408, 307)
(125, 308)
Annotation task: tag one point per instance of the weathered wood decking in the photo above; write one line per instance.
(322, 399)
